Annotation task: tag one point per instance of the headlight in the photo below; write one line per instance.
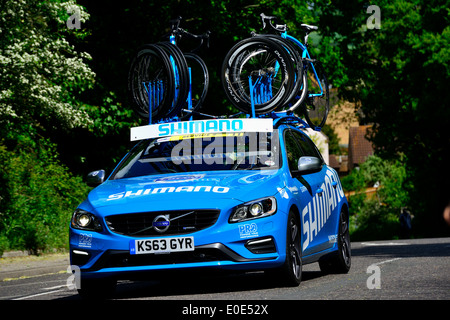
(84, 220)
(254, 209)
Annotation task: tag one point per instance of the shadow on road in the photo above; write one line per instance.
(401, 249)
(198, 284)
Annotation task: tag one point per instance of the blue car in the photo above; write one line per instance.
(228, 194)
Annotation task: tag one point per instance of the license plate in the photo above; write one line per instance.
(162, 245)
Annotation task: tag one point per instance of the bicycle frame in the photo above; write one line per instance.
(305, 57)
(265, 86)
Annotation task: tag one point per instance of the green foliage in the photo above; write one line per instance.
(38, 195)
(376, 218)
(64, 108)
(399, 76)
(41, 74)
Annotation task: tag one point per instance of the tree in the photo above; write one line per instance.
(42, 76)
(42, 82)
(398, 76)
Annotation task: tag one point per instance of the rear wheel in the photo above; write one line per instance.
(268, 65)
(290, 273)
(151, 70)
(341, 262)
(317, 100)
(181, 79)
(199, 82)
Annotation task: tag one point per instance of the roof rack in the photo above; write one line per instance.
(174, 125)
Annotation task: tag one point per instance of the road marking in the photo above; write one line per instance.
(38, 294)
(386, 261)
(384, 244)
(55, 287)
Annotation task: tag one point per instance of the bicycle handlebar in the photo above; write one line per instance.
(269, 19)
(178, 32)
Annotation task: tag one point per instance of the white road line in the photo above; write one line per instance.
(380, 244)
(386, 261)
(38, 294)
(55, 287)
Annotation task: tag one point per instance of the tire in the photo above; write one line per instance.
(151, 64)
(290, 273)
(294, 99)
(181, 77)
(342, 260)
(315, 108)
(199, 82)
(257, 58)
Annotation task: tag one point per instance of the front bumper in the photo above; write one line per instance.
(250, 245)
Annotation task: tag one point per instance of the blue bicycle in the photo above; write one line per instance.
(166, 80)
(275, 72)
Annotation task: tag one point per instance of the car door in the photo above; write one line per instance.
(310, 193)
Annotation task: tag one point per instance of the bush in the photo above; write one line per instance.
(38, 195)
(377, 218)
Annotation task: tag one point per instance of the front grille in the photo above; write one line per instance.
(161, 223)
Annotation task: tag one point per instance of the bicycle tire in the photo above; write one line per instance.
(151, 64)
(292, 101)
(181, 79)
(199, 82)
(257, 56)
(317, 102)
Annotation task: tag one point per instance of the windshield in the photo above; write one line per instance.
(203, 152)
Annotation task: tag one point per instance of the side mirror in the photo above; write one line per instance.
(95, 178)
(309, 164)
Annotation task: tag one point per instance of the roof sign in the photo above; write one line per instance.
(201, 126)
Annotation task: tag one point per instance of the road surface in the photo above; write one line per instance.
(381, 270)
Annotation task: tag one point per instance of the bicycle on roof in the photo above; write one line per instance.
(270, 72)
(167, 81)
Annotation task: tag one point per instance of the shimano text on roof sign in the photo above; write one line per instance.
(201, 126)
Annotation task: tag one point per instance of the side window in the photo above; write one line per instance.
(293, 150)
(308, 147)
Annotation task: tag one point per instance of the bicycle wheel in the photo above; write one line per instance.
(270, 68)
(293, 99)
(199, 82)
(181, 79)
(150, 71)
(317, 101)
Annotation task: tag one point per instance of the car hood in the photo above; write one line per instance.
(179, 191)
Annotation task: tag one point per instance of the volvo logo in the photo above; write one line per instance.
(161, 223)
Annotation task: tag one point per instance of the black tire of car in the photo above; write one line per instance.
(341, 261)
(97, 288)
(290, 273)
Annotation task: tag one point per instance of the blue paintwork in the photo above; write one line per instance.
(223, 190)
